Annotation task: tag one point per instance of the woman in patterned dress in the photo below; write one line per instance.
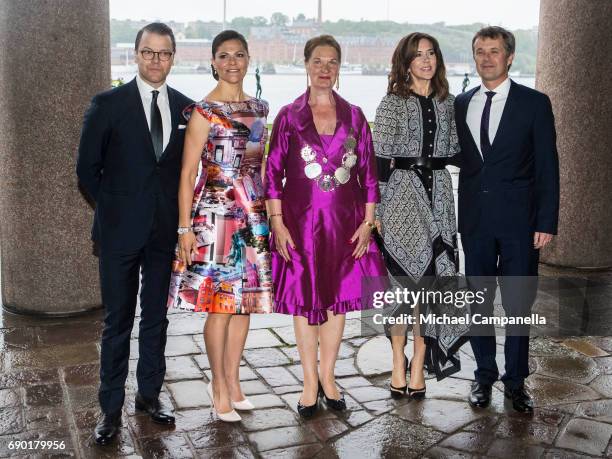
(223, 260)
(414, 137)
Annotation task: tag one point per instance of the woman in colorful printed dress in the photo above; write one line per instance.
(322, 218)
(223, 259)
(414, 138)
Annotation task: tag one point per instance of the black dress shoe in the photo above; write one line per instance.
(307, 411)
(521, 400)
(107, 427)
(480, 395)
(335, 404)
(158, 413)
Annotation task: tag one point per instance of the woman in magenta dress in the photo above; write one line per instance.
(321, 218)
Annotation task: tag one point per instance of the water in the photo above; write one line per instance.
(363, 90)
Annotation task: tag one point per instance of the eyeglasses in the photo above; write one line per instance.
(148, 55)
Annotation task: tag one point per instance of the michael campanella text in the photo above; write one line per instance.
(467, 319)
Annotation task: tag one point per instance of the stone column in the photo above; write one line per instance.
(574, 68)
(54, 56)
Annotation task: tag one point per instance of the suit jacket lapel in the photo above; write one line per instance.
(141, 118)
(174, 112)
(506, 115)
(466, 127)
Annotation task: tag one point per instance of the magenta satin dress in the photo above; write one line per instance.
(322, 275)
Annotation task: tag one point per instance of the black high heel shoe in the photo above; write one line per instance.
(335, 404)
(307, 411)
(398, 392)
(416, 394)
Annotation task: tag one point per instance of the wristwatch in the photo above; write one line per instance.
(183, 229)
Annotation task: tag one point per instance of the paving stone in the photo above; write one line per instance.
(357, 418)
(385, 405)
(266, 401)
(367, 394)
(525, 431)
(82, 375)
(287, 389)
(387, 434)
(325, 429)
(444, 415)
(68, 333)
(261, 338)
(346, 351)
(292, 353)
(189, 394)
(449, 389)
(226, 452)
(295, 452)
(357, 342)
(297, 371)
(345, 367)
(86, 420)
(277, 376)
(181, 345)
(253, 387)
(264, 419)
(603, 385)
(21, 378)
(46, 418)
(578, 369)
(216, 434)
(283, 437)
(355, 328)
(600, 410)
(170, 446)
(603, 342)
(586, 436)
(44, 395)
(508, 448)
(437, 452)
(473, 442)
(544, 346)
(605, 365)
(557, 453)
(185, 324)
(287, 334)
(549, 391)
(182, 367)
(10, 397)
(483, 424)
(585, 347)
(202, 361)
(266, 357)
(11, 421)
(352, 382)
(83, 397)
(374, 357)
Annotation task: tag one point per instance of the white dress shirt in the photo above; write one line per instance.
(146, 95)
(476, 107)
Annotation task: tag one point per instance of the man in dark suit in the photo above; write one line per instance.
(129, 162)
(508, 204)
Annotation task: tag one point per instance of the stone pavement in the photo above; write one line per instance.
(49, 375)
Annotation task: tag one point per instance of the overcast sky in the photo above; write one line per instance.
(513, 14)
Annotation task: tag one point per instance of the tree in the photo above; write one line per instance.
(279, 19)
(299, 18)
(260, 21)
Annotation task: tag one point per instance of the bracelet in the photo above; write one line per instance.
(369, 224)
(275, 215)
(183, 230)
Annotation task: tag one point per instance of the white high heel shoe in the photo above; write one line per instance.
(243, 405)
(230, 416)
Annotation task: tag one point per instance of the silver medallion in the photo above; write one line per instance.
(342, 175)
(307, 153)
(326, 183)
(312, 170)
(349, 160)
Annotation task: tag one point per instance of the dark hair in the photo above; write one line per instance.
(321, 40)
(221, 38)
(497, 32)
(405, 52)
(158, 28)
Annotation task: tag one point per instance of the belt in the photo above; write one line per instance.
(418, 162)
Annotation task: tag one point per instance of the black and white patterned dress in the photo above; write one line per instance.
(417, 208)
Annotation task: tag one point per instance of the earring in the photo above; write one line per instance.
(307, 81)
(407, 76)
(215, 74)
(338, 82)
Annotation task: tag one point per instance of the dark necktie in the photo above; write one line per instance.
(485, 143)
(157, 129)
